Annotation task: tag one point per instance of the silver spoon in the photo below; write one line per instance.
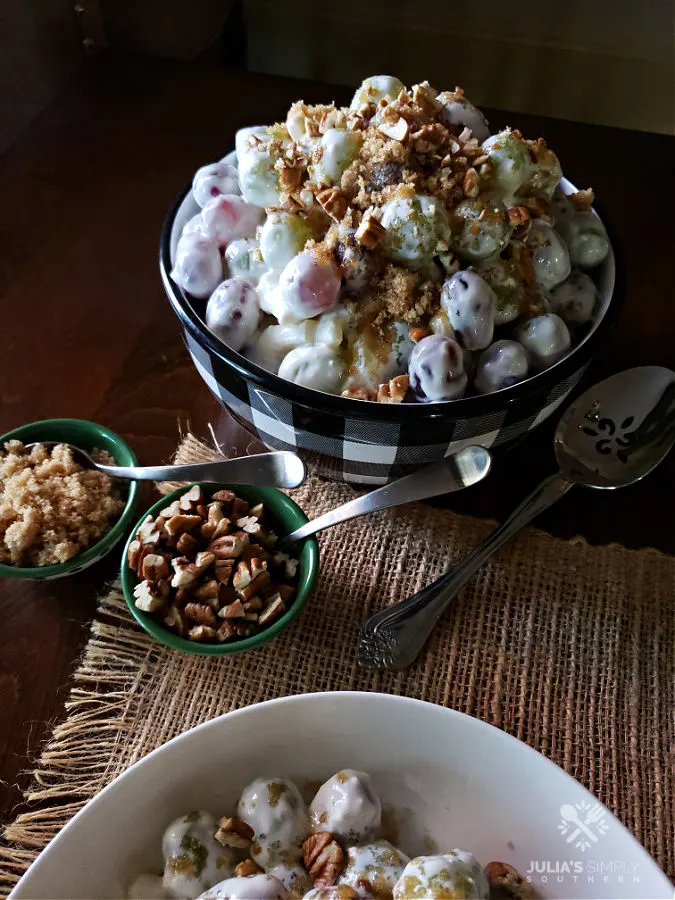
(281, 469)
(612, 436)
(458, 470)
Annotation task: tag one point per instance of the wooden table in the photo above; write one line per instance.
(88, 332)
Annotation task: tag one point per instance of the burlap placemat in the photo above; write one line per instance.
(566, 646)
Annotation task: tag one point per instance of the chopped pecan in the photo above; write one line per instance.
(145, 551)
(201, 633)
(200, 613)
(519, 218)
(290, 177)
(518, 215)
(186, 544)
(154, 567)
(323, 858)
(471, 183)
(199, 600)
(255, 604)
(258, 585)
(176, 621)
(370, 232)
(208, 591)
(172, 510)
(204, 559)
(133, 554)
(258, 566)
(215, 515)
(258, 511)
(249, 524)
(233, 611)
(356, 121)
(429, 137)
(186, 573)
(191, 498)
(522, 258)
(243, 576)
(506, 881)
(253, 550)
(582, 201)
(229, 546)
(246, 868)
(239, 508)
(224, 496)
(359, 393)
(425, 96)
(179, 524)
(234, 832)
(334, 202)
(288, 203)
(223, 527)
(394, 391)
(148, 597)
(250, 578)
(397, 131)
(148, 533)
(273, 610)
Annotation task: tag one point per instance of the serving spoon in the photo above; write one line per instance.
(611, 437)
(458, 470)
(280, 469)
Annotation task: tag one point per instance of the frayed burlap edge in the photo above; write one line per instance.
(75, 763)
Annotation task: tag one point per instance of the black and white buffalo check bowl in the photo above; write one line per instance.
(362, 442)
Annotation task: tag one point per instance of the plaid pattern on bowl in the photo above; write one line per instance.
(366, 451)
(362, 442)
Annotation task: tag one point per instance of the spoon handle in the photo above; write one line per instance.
(394, 637)
(282, 469)
(457, 471)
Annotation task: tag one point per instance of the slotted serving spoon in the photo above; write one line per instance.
(612, 436)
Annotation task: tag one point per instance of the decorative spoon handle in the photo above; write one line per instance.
(394, 637)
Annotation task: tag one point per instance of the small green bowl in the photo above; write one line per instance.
(286, 516)
(88, 436)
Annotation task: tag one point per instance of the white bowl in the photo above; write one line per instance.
(448, 776)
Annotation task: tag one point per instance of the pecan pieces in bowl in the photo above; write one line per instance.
(208, 568)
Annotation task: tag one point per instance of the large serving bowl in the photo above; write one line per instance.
(364, 442)
(448, 777)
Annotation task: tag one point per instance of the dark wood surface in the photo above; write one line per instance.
(86, 330)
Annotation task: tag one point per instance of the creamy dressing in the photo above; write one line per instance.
(242, 233)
